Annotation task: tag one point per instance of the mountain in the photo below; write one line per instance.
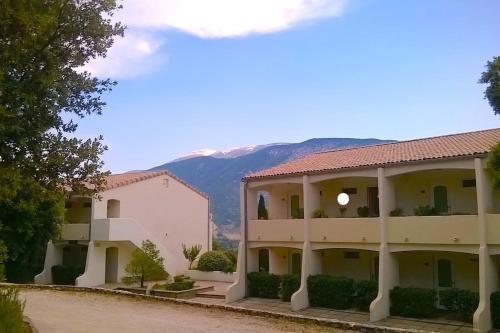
(228, 153)
(220, 177)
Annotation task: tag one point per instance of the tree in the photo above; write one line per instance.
(3, 259)
(43, 93)
(491, 77)
(262, 210)
(191, 253)
(146, 265)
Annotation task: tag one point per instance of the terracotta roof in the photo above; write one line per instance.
(440, 147)
(122, 179)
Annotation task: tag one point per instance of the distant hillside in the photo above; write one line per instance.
(220, 177)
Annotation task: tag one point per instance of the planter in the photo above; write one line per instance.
(210, 276)
(183, 294)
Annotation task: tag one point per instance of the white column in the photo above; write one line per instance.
(388, 264)
(238, 289)
(488, 279)
(95, 267)
(311, 263)
(53, 256)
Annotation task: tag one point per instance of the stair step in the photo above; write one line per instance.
(207, 295)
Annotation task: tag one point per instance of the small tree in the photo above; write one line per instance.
(191, 253)
(146, 264)
(262, 210)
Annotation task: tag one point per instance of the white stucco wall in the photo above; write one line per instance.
(170, 211)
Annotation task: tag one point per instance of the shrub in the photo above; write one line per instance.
(191, 253)
(426, 211)
(319, 213)
(463, 302)
(263, 284)
(289, 284)
(413, 302)
(396, 212)
(363, 211)
(330, 291)
(11, 311)
(185, 284)
(364, 293)
(63, 274)
(214, 261)
(495, 309)
(298, 213)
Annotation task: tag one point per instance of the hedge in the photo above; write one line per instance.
(63, 274)
(330, 291)
(214, 261)
(463, 302)
(495, 309)
(263, 284)
(289, 284)
(413, 302)
(365, 292)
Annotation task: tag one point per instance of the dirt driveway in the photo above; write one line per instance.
(64, 312)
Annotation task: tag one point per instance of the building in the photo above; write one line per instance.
(101, 232)
(390, 184)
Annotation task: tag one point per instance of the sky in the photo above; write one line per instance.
(217, 74)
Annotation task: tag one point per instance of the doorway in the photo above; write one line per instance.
(296, 263)
(295, 206)
(111, 275)
(441, 199)
(373, 205)
(444, 277)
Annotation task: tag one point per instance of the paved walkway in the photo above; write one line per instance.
(277, 306)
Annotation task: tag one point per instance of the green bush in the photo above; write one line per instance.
(214, 261)
(320, 214)
(495, 309)
(363, 211)
(263, 284)
(62, 274)
(185, 284)
(426, 211)
(396, 212)
(413, 302)
(330, 291)
(289, 284)
(364, 293)
(463, 302)
(11, 311)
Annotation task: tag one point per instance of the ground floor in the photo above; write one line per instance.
(99, 262)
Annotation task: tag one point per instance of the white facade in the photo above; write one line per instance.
(107, 228)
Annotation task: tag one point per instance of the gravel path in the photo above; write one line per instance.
(56, 311)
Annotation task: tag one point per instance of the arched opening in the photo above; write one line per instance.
(111, 275)
(113, 208)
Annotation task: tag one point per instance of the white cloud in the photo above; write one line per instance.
(225, 18)
(138, 52)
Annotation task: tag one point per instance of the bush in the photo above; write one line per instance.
(180, 285)
(364, 293)
(330, 291)
(319, 214)
(214, 261)
(495, 309)
(263, 284)
(396, 212)
(298, 213)
(463, 302)
(363, 211)
(289, 284)
(413, 302)
(11, 311)
(426, 211)
(62, 274)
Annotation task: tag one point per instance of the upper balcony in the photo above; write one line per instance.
(77, 217)
(276, 230)
(75, 231)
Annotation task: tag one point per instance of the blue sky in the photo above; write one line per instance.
(387, 69)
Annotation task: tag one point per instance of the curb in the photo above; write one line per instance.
(335, 323)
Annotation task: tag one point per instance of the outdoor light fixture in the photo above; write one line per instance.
(343, 199)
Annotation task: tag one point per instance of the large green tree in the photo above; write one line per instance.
(43, 93)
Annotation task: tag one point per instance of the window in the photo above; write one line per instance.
(469, 183)
(113, 207)
(351, 255)
(441, 199)
(350, 190)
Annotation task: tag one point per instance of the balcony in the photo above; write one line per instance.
(75, 231)
(493, 228)
(276, 230)
(346, 230)
(451, 229)
(115, 229)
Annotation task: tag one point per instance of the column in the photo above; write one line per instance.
(95, 267)
(388, 264)
(53, 256)
(488, 279)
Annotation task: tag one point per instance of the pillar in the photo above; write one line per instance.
(53, 256)
(95, 267)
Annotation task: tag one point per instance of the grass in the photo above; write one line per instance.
(11, 312)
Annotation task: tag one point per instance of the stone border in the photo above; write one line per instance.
(335, 323)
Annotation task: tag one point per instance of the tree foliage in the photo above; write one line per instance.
(491, 77)
(146, 265)
(191, 253)
(43, 93)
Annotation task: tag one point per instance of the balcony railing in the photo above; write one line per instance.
(346, 230)
(450, 229)
(276, 230)
(75, 231)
